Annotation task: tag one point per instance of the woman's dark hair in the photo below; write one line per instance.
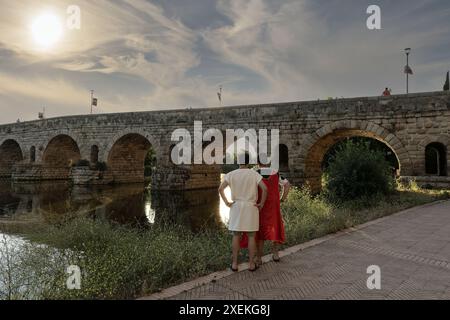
(246, 157)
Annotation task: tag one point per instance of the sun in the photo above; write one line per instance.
(47, 30)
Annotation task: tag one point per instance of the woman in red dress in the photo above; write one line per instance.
(271, 227)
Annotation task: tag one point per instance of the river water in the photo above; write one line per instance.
(128, 204)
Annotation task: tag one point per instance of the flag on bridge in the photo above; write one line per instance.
(447, 83)
(408, 70)
(94, 101)
(219, 95)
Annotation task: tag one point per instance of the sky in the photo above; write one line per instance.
(143, 55)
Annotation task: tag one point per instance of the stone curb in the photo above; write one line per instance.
(175, 290)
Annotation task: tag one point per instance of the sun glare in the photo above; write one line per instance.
(47, 29)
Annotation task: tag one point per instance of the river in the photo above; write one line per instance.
(134, 204)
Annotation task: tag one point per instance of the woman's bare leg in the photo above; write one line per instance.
(275, 251)
(251, 250)
(236, 247)
(260, 245)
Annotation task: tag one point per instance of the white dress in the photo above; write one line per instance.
(244, 215)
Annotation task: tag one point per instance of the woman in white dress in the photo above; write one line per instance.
(244, 209)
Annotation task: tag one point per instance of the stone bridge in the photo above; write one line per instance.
(113, 147)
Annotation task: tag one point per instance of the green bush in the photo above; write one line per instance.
(356, 172)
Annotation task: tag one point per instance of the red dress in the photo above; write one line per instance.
(271, 225)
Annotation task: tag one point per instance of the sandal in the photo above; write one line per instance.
(232, 269)
(254, 269)
(275, 259)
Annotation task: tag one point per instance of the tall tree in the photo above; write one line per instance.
(447, 84)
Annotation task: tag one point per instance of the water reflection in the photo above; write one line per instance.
(131, 204)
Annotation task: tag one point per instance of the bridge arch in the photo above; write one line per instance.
(442, 140)
(32, 158)
(284, 157)
(317, 144)
(60, 153)
(121, 133)
(10, 154)
(126, 157)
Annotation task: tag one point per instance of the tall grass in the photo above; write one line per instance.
(122, 262)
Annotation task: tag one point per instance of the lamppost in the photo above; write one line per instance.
(408, 69)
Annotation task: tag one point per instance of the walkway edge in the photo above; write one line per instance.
(175, 290)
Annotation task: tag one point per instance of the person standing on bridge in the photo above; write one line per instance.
(244, 209)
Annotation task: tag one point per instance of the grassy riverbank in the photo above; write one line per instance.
(124, 262)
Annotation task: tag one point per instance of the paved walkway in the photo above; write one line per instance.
(412, 248)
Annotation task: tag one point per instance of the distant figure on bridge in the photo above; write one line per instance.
(387, 92)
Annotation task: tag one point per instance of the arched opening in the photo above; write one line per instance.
(284, 157)
(33, 154)
(60, 155)
(436, 159)
(94, 154)
(127, 158)
(10, 153)
(322, 151)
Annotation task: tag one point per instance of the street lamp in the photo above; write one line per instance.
(408, 69)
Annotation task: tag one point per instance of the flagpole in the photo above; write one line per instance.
(220, 96)
(407, 69)
(92, 98)
(407, 74)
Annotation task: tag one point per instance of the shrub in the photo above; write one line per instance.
(356, 172)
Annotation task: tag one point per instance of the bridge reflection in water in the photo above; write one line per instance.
(126, 204)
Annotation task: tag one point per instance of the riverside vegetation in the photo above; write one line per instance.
(120, 261)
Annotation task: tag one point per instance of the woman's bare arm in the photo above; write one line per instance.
(222, 188)
(286, 189)
(263, 187)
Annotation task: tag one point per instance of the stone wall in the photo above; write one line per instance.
(406, 123)
(428, 182)
(23, 172)
(89, 176)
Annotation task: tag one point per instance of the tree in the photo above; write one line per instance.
(447, 84)
(357, 171)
